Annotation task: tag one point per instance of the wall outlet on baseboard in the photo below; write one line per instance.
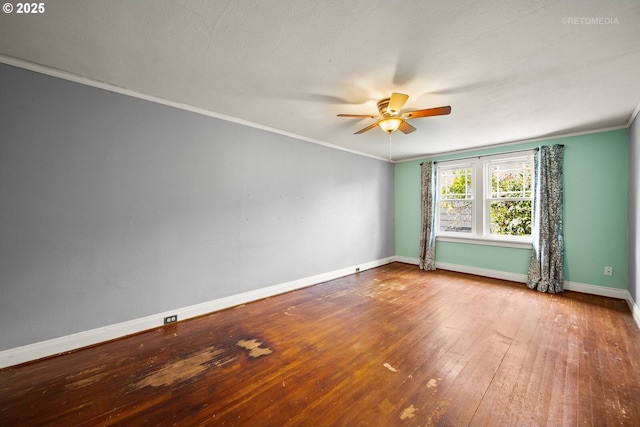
(171, 319)
(608, 271)
(357, 269)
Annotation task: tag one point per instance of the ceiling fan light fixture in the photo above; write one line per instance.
(390, 124)
(392, 118)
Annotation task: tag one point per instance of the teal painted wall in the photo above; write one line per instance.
(596, 175)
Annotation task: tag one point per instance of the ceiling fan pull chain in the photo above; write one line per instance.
(389, 147)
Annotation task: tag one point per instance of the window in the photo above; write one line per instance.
(488, 198)
(509, 197)
(456, 204)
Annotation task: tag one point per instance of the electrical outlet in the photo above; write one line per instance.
(171, 319)
(608, 271)
(357, 269)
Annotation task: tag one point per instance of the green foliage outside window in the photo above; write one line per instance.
(511, 217)
(457, 210)
(507, 217)
(460, 187)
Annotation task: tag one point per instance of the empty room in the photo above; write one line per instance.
(320, 213)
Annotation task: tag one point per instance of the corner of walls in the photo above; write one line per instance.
(635, 309)
(634, 214)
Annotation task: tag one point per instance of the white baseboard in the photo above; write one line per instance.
(39, 350)
(496, 274)
(407, 260)
(635, 310)
(485, 272)
(596, 290)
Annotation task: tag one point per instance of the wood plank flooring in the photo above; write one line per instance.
(391, 346)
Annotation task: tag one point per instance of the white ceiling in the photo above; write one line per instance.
(511, 70)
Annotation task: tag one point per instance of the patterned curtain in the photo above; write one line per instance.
(546, 269)
(427, 215)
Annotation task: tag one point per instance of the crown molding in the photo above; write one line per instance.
(64, 75)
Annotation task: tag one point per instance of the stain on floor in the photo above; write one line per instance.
(254, 347)
(437, 412)
(386, 406)
(390, 293)
(408, 412)
(389, 367)
(184, 369)
(84, 378)
(433, 382)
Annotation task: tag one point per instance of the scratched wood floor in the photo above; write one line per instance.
(391, 346)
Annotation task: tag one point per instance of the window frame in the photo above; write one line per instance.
(472, 199)
(481, 192)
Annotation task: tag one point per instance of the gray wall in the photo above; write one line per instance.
(114, 208)
(634, 210)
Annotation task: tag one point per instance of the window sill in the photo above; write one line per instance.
(520, 244)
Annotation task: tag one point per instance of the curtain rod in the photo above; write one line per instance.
(496, 154)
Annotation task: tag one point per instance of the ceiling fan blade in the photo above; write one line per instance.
(406, 127)
(366, 129)
(428, 112)
(396, 102)
(363, 116)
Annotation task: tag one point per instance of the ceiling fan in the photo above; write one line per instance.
(391, 118)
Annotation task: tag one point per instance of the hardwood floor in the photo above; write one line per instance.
(391, 346)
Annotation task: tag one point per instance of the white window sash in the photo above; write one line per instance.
(481, 198)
